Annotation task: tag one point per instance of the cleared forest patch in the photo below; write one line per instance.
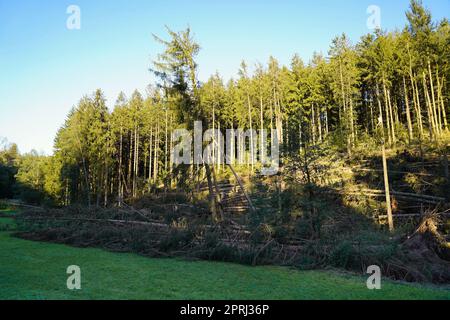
(411, 259)
(319, 212)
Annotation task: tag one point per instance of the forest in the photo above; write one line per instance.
(363, 176)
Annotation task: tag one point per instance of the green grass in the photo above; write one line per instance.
(7, 223)
(35, 270)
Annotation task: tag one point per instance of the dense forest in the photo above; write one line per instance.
(386, 94)
(389, 84)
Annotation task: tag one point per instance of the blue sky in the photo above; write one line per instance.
(46, 68)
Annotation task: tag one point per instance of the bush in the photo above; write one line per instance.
(342, 254)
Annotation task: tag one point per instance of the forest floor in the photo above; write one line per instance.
(36, 270)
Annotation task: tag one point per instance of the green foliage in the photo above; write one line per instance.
(8, 156)
(389, 86)
(34, 179)
(342, 254)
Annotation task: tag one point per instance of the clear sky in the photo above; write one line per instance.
(46, 68)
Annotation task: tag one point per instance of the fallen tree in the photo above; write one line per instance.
(419, 257)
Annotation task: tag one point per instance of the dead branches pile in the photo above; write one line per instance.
(137, 231)
(419, 257)
(426, 253)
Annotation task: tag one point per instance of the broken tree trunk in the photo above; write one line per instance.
(241, 185)
(212, 196)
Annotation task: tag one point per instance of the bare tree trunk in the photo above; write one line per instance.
(106, 176)
(431, 122)
(319, 123)
(386, 106)
(251, 131)
(433, 99)
(313, 124)
(86, 172)
(214, 130)
(419, 109)
(261, 126)
(155, 158)
(386, 189)
(219, 150)
(212, 196)
(343, 94)
(300, 136)
(120, 187)
(380, 111)
(134, 162)
(105, 185)
(408, 114)
(441, 100)
(280, 119)
(166, 140)
(352, 125)
(137, 162)
(150, 144)
(415, 93)
(372, 124)
(130, 160)
(271, 117)
(171, 148)
(394, 140)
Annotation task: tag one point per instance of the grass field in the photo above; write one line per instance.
(34, 270)
(7, 222)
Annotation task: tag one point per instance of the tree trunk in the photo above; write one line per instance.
(119, 178)
(130, 160)
(261, 127)
(155, 158)
(251, 131)
(408, 114)
(386, 108)
(212, 198)
(386, 189)
(150, 156)
(441, 101)
(431, 123)
(419, 108)
(313, 124)
(391, 117)
(433, 99)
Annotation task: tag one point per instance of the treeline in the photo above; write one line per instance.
(389, 86)
(29, 177)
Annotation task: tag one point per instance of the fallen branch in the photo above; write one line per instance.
(408, 215)
(154, 224)
(395, 172)
(18, 204)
